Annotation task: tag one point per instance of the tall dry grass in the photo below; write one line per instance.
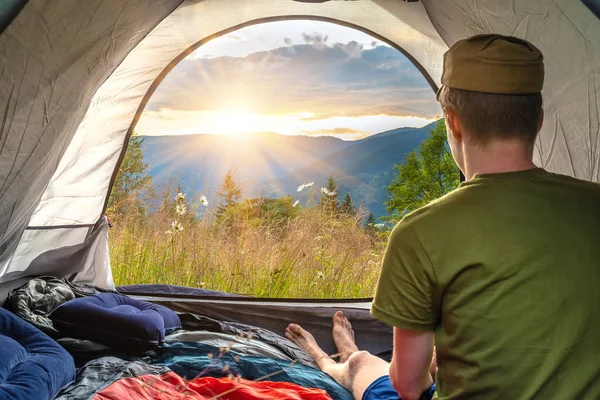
(312, 254)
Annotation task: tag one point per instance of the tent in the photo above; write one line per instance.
(75, 76)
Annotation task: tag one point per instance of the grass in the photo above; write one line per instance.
(311, 254)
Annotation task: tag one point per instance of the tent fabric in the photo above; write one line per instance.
(72, 88)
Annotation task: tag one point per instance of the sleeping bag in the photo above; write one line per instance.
(32, 365)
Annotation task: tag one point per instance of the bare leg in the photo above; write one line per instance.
(359, 368)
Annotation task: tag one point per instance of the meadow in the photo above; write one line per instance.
(309, 253)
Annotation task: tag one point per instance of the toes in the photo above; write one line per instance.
(296, 329)
(339, 316)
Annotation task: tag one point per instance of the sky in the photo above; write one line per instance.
(292, 78)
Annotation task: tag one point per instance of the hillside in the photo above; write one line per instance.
(364, 168)
(275, 165)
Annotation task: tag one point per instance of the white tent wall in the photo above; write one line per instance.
(53, 57)
(565, 30)
(567, 33)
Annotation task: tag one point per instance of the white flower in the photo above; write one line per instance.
(180, 196)
(180, 209)
(204, 201)
(326, 191)
(176, 226)
(305, 186)
(296, 203)
(320, 275)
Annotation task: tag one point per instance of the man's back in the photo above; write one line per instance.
(513, 266)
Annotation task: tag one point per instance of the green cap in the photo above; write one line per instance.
(491, 63)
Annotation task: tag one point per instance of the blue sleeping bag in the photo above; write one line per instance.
(32, 365)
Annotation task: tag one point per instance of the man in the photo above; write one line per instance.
(503, 272)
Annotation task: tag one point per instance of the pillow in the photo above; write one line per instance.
(117, 321)
(32, 365)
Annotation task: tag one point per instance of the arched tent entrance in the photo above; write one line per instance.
(75, 76)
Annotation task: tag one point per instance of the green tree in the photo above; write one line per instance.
(370, 224)
(230, 193)
(329, 197)
(347, 206)
(426, 175)
(131, 181)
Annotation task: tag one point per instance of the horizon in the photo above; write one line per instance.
(246, 134)
(298, 78)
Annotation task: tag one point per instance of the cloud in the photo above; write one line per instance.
(334, 131)
(345, 133)
(314, 38)
(288, 41)
(335, 80)
(235, 38)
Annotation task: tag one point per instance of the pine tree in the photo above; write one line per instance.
(230, 193)
(347, 206)
(329, 197)
(370, 224)
(131, 180)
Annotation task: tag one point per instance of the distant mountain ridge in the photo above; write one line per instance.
(273, 165)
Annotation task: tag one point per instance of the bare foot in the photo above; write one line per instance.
(343, 336)
(307, 342)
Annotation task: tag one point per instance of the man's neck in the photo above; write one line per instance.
(497, 157)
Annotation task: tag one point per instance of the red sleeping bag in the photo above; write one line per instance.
(172, 386)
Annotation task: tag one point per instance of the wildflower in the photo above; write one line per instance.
(320, 275)
(180, 209)
(379, 226)
(305, 186)
(180, 196)
(200, 284)
(176, 227)
(204, 201)
(296, 203)
(327, 192)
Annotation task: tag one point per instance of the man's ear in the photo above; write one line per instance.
(453, 121)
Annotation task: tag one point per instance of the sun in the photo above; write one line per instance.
(233, 121)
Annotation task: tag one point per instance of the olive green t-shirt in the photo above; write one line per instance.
(506, 271)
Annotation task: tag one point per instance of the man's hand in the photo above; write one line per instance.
(410, 369)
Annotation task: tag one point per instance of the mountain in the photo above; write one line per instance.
(364, 168)
(270, 164)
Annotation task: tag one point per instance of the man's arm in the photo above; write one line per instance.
(408, 298)
(409, 371)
